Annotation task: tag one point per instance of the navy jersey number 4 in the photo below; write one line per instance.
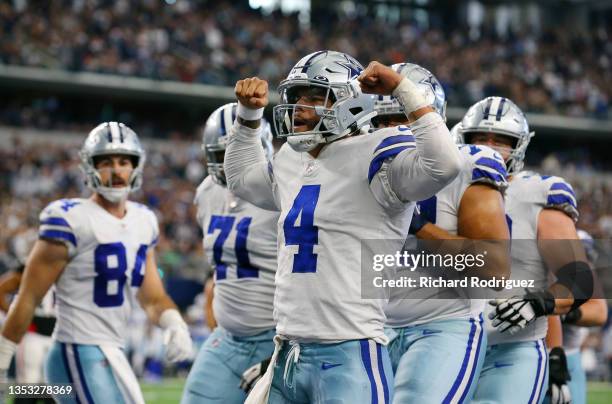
(306, 234)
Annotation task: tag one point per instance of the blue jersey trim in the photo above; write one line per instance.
(58, 234)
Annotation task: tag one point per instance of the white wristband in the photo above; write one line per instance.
(171, 317)
(409, 96)
(249, 114)
(7, 349)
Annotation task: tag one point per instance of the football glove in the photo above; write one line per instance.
(176, 336)
(516, 313)
(558, 376)
(7, 349)
(253, 374)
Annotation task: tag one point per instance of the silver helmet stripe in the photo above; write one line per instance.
(494, 107)
(115, 132)
(500, 109)
(226, 116)
(487, 110)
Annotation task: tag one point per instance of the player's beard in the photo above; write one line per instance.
(112, 193)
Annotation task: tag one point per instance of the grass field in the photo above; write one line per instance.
(169, 392)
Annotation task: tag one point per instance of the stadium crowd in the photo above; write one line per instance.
(553, 71)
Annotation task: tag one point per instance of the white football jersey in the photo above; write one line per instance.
(240, 243)
(527, 194)
(573, 337)
(107, 255)
(480, 165)
(331, 210)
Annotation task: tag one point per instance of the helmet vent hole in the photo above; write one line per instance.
(356, 110)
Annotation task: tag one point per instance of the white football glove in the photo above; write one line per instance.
(558, 389)
(176, 336)
(516, 313)
(511, 314)
(7, 349)
(253, 374)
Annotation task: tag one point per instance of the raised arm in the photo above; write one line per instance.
(249, 174)
(415, 174)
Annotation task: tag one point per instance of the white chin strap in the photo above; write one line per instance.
(304, 143)
(114, 195)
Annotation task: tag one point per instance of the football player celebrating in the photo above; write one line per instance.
(541, 208)
(567, 377)
(336, 192)
(99, 253)
(445, 336)
(240, 241)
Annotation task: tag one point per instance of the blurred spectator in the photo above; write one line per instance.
(556, 71)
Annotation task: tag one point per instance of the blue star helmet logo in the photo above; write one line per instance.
(353, 67)
(429, 80)
(353, 70)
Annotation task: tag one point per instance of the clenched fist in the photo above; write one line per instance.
(379, 79)
(252, 92)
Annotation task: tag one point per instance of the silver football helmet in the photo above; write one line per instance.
(455, 133)
(424, 80)
(111, 138)
(335, 73)
(214, 139)
(501, 116)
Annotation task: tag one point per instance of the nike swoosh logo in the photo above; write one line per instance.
(501, 365)
(327, 365)
(431, 332)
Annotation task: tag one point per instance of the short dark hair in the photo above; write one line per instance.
(133, 159)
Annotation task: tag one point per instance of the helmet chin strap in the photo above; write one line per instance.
(114, 195)
(305, 143)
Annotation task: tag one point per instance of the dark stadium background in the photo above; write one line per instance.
(162, 66)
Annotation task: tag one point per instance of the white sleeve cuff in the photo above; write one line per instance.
(249, 114)
(409, 96)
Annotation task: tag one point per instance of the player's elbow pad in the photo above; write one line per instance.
(578, 278)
